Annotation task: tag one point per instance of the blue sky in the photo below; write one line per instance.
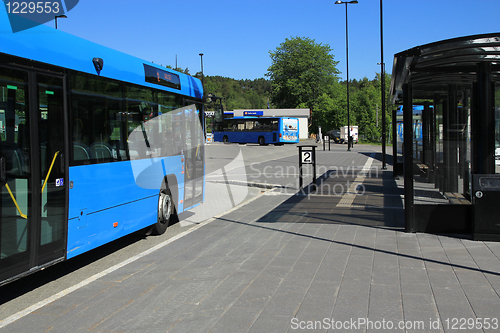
(236, 36)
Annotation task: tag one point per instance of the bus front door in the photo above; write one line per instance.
(194, 154)
(33, 181)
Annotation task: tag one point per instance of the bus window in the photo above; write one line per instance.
(274, 124)
(167, 131)
(96, 120)
(250, 124)
(140, 107)
(241, 125)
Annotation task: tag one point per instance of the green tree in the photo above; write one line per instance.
(364, 103)
(330, 111)
(239, 94)
(301, 71)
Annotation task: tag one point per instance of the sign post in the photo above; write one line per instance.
(327, 137)
(307, 155)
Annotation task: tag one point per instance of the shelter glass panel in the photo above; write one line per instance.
(399, 135)
(441, 147)
(497, 127)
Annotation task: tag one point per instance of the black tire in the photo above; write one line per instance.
(225, 139)
(166, 212)
(262, 141)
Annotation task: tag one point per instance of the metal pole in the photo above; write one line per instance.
(300, 168)
(202, 97)
(202, 76)
(314, 167)
(59, 16)
(408, 158)
(395, 171)
(347, 65)
(383, 85)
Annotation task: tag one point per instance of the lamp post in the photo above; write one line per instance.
(59, 16)
(201, 59)
(349, 140)
(203, 97)
(382, 74)
(202, 76)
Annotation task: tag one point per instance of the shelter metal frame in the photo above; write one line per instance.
(453, 141)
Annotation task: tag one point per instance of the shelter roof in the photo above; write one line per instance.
(431, 67)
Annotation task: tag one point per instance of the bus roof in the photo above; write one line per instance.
(55, 47)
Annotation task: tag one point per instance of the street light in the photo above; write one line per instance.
(383, 85)
(201, 59)
(349, 140)
(59, 16)
(203, 97)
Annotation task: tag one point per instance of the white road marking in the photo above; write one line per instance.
(348, 198)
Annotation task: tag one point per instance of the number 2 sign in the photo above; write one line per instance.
(307, 157)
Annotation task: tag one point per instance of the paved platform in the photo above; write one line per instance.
(321, 261)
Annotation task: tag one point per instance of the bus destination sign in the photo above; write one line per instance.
(161, 77)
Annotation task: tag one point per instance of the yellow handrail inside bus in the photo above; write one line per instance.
(43, 187)
(50, 170)
(196, 155)
(187, 172)
(15, 202)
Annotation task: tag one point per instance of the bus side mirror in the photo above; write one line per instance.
(98, 64)
(3, 172)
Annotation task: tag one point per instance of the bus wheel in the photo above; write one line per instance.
(262, 141)
(225, 139)
(165, 212)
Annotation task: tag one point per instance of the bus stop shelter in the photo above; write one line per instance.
(447, 133)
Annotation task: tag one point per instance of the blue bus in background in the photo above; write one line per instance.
(417, 130)
(417, 123)
(261, 130)
(94, 145)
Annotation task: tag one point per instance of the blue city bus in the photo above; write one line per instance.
(417, 127)
(261, 130)
(417, 122)
(94, 145)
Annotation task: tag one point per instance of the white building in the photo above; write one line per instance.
(301, 114)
